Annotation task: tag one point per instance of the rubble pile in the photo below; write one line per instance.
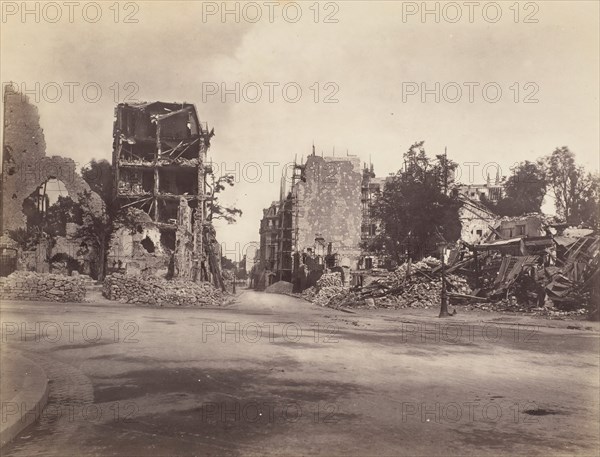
(25, 285)
(324, 296)
(161, 292)
(505, 306)
(329, 280)
(418, 291)
(395, 289)
(576, 282)
(329, 285)
(280, 287)
(552, 275)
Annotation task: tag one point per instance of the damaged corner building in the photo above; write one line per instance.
(315, 225)
(159, 165)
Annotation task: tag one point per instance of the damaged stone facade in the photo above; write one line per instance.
(25, 166)
(328, 208)
(25, 170)
(317, 225)
(480, 225)
(476, 221)
(524, 226)
(159, 156)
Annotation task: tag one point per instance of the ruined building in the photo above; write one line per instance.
(316, 225)
(159, 165)
(25, 166)
(476, 221)
(26, 169)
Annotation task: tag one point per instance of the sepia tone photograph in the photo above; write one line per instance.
(300, 228)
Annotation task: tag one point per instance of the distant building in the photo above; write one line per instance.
(492, 192)
(274, 262)
(480, 225)
(371, 189)
(252, 256)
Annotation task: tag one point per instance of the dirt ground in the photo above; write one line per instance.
(275, 375)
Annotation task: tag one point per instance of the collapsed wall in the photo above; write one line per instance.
(25, 164)
(24, 285)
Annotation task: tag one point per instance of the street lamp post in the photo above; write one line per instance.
(444, 305)
(234, 279)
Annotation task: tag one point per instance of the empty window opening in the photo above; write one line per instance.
(167, 239)
(148, 245)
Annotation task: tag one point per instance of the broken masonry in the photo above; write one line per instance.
(26, 169)
(160, 169)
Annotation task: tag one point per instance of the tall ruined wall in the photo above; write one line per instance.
(25, 164)
(329, 205)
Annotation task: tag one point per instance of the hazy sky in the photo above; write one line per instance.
(370, 61)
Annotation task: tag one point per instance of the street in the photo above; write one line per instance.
(275, 375)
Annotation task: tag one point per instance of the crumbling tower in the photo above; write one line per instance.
(159, 156)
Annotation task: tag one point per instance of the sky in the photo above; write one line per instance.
(494, 85)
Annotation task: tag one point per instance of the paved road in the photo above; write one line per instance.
(273, 375)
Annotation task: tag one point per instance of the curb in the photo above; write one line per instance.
(26, 407)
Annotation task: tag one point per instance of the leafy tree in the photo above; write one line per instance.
(33, 215)
(227, 264)
(59, 214)
(99, 176)
(417, 206)
(97, 228)
(27, 238)
(587, 206)
(524, 191)
(575, 191)
(51, 223)
(217, 210)
(95, 231)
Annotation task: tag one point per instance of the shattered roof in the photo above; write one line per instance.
(573, 232)
(564, 240)
(157, 107)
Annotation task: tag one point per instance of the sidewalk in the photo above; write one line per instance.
(23, 394)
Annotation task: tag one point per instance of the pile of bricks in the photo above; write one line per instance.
(26, 285)
(329, 285)
(324, 295)
(419, 291)
(329, 280)
(161, 292)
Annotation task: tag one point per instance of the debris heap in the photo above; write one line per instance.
(329, 285)
(161, 292)
(553, 276)
(280, 287)
(26, 285)
(409, 286)
(329, 280)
